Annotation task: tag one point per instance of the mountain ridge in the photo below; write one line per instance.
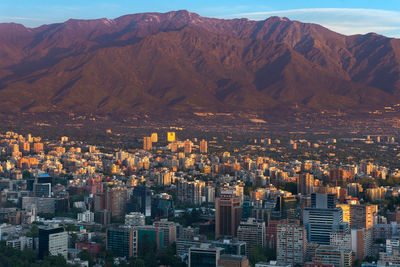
(179, 61)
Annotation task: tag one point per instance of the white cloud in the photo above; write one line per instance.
(20, 18)
(343, 20)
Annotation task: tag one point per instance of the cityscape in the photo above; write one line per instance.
(174, 202)
(199, 133)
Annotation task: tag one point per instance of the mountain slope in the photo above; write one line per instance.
(179, 61)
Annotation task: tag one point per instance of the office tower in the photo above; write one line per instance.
(323, 201)
(187, 148)
(228, 213)
(42, 189)
(361, 243)
(346, 212)
(141, 200)
(168, 229)
(171, 137)
(115, 201)
(53, 241)
(305, 183)
(204, 255)
(322, 218)
(147, 143)
(253, 233)
(122, 242)
(291, 244)
(135, 219)
(362, 216)
(154, 137)
(203, 147)
(331, 256)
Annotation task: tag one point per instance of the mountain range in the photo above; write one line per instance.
(184, 63)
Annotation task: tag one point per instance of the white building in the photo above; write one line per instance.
(86, 216)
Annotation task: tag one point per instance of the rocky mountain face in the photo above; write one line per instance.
(182, 62)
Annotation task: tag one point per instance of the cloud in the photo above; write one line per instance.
(20, 18)
(344, 20)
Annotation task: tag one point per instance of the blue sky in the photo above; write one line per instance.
(344, 16)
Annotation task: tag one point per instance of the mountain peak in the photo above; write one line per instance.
(152, 62)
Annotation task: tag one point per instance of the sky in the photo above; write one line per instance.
(343, 16)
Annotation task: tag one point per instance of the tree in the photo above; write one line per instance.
(139, 263)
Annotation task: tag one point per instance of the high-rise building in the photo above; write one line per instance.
(291, 244)
(42, 189)
(203, 147)
(147, 143)
(253, 233)
(322, 218)
(362, 216)
(305, 183)
(228, 213)
(154, 137)
(53, 241)
(168, 229)
(361, 243)
(187, 146)
(115, 201)
(204, 255)
(171, 137)
(37, 147)
(141, 201)
(122, 242)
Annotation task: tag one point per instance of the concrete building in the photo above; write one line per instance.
(135, 219)
(168, 229)
(291, 244)
(122, 242)
(53, 241)
(253, 233)
(228, 213)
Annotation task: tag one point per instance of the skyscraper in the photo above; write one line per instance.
(291, 244)
(115, 201)
(141, 201)
(322, 218)
(228, 213)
